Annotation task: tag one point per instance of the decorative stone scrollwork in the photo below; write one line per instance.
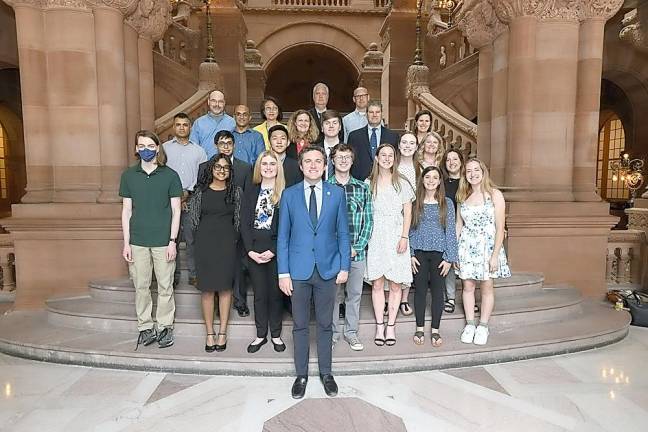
(563, 10)
(252, 55)
(480, 23)
(373, 58)
(507, 10)
(126, 7)
(151, 18)
(418, 78)
(599, 8)
(633, 32)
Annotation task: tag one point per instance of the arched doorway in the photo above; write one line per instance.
(292, 74)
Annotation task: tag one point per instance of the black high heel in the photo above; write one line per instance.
(390, 341)
(221, 348)
(210, 348)
(380, 341)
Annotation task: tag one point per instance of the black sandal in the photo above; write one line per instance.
(435, 338)
(390, 341)
(449, 306)
(406, 309)
(210, 348)
(380, 341)
(221, 348)
(419, 337)
(476, 307)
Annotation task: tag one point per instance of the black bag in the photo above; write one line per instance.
(638, 309)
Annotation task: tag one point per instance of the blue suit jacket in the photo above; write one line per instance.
(301, 247)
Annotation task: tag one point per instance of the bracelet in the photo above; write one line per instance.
(406, 238)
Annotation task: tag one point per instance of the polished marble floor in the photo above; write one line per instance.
(600, 390)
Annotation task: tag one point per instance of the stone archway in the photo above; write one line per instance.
(292, 73)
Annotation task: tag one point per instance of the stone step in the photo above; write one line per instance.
(31, 335)
(86, 312)
(122, 291)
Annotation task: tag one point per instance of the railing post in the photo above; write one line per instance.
(8, 277)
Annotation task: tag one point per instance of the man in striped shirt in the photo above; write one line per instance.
(360, 215)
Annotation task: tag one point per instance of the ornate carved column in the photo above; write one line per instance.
(372, 69)
(150, 19)
(111, 89)
(593, 15)
(131, 66)
(254, 75)
(35, 106)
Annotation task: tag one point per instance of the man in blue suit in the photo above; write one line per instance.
(313, 256)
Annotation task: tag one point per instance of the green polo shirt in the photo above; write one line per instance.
(150, 223)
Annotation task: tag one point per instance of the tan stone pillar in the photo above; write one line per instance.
(588, 97)
(499, 106)
(111, 88)
(146, 85)
(33, 85)
(73, 101)
(133, 118)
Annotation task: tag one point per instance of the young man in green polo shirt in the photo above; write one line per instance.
(151, 194)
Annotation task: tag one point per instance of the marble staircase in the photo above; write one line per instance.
(99, 329)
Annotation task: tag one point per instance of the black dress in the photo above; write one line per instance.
(215, 243)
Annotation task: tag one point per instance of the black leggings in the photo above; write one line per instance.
(429, 275)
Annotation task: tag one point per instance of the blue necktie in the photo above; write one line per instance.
(373, 142)
(312, 207)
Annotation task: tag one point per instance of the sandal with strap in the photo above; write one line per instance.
(222, 347)
(380, 341)
(406, 309)
(436, 339)
(476, 307)
(390, 341)
(449, 306)
(419, 337)
(210, 348)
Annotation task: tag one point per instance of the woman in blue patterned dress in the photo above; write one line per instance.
(480, 227)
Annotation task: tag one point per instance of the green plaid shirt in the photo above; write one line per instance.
(360, 211)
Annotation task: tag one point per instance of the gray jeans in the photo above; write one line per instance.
(352, 303)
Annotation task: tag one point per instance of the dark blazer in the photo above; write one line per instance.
(242, 173)
(313, 112)
(292, 173)
(359, 140)
(248, 207)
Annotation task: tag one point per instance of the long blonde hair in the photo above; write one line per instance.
(280, 181)
(465, 189)
(293, 134)
(375, 172)
(440, 149)
(439, 195)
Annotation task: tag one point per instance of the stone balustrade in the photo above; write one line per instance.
(329, 5)
(625, 259)
(450, 47)
(323, 3)
(7, 259)
(458, 132)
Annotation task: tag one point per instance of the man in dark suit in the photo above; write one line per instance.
(365, 141)
(313, 255)
(320, 101)
(278, 136)
(224, 142)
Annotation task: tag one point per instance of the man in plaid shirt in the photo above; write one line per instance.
(360, 213)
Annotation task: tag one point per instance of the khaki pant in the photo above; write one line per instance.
(145, 261)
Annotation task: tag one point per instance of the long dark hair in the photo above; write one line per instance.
(439, 195)
(208, 176)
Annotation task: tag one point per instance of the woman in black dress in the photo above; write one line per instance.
(215, 209)
(259, 222)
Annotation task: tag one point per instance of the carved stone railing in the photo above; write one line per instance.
(458, 132)
(335, 6)
(180, 44)
(7, 260)
(625, 262)
(324, 3)
(210, 79)
(448, 48)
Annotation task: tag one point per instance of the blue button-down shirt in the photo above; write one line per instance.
(353, 121)
(249, 145)
(184, 159)
(205, 128)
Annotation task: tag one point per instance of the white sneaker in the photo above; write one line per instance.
(481, 335)
(355, 344)
(468, 334)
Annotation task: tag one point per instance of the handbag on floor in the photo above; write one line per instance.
(638, 305)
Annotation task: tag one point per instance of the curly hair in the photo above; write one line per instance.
(207, 176)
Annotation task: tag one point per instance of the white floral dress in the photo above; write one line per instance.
(382, 258)
(477, 241)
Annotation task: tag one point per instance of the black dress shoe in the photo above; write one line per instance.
(299, 387)
(223, 347)
(252, 348)
(242, 310)
(210, 348)
(342, 310)
(330, 387)
(279, 347)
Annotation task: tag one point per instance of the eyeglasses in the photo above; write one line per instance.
(221, 168)
(241, 114)
(343, 158)
(361, 95)
(271, 109)
(226, 143)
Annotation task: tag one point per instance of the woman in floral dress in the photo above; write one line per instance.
(480, 227)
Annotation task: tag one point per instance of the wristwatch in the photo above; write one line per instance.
(172, 240)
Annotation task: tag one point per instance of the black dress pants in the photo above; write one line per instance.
(428, 276)
(268, 298)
